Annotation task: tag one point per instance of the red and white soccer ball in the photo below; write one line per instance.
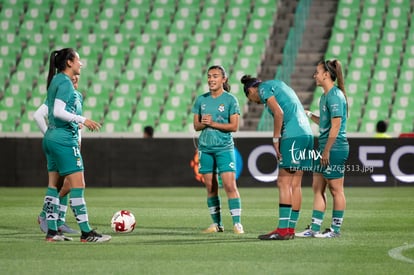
(123, 221)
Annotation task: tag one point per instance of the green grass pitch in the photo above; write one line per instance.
(167, 238)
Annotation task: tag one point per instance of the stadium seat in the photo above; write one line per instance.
(10, 111)
(397, 126)
(368, 126)
(402, 115)
(102, 32)
(184, 21)
(119, 114)
(338, 50)
(95, 107)
(148, 110)
(352, 123)
(173, 114)
(26, 124)
(375, 107)
(402, 108)
(355, 104)
(346, 18)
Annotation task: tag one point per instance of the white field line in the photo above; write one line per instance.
(396, 253)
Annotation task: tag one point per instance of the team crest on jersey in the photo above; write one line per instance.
(221, 108)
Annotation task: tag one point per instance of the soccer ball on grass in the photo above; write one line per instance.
(123, 221)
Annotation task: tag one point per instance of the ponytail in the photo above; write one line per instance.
(334, 67)
(52, 68)
(58, 62)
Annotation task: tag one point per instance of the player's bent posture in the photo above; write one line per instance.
(216, 115)
(334, 149)
(293, 144)
(61, 146)
(40, 116)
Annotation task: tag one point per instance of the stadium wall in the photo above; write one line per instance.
(163, 162)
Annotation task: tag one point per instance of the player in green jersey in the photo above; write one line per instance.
(61, 146)
(293, 143)
(40, 116)
(216, 115)
(333, 147)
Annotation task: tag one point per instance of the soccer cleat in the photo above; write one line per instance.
(307, 233)
(238, 228)
(55, 238)
(64, 228)
(328, 233)
(42, 223)
(274, 235)
(213, 228)
(94, 237)
(66, 238)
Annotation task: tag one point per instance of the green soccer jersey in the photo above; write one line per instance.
(221, 109)
(295, 121)
(61, 87)
(332, 104)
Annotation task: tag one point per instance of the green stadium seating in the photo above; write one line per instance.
(26, 124)
(339, 46)
(94, 107)
(368, 47)
(370, 74)
(119, 114)
(402, 116)
(352, 123)
(10, 111)
(173, 114)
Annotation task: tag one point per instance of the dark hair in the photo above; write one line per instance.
(334, 68)
(382, 126)
(58, 62)
(149, 130)
(248, 82)
(226, 85)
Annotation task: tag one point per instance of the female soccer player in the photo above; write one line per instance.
(293, 143)
(40, 116)
(216, 115)
(61, 146)
(333, 145)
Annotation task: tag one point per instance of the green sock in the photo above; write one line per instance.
(214, 205)
(294, 217)
(284, 215)
(43, 212)
(51, 208)
(235, 209)
(63, 206)
(337, 219)
(78, 205)
(317, 219)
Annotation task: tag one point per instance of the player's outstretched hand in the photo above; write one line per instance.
(92, 125)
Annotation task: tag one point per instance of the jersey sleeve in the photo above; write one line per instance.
(65, 91)
(196, 107)
(234, 106)
(265, 91)
(335, 106)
